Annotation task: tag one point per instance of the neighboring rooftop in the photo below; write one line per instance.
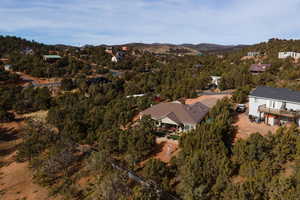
(259, 67)
(276, 93)
(52, 56)
(178, 112)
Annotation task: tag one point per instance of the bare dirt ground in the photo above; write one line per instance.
(168, 147)
(27, 78)
(16, 178)
(245, 128)
(208, 100)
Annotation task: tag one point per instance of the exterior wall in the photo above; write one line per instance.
(114, 59)
(189, 127)
(283, 55)
(255, 102)
(253, 53)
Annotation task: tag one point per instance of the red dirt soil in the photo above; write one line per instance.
(16, 178)
(169, 149)
(245, 128)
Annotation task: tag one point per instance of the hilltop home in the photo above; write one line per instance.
(176, 115)
(51, 58)
(253, 53)
(284, 55)
(275, 106)
(259, 68)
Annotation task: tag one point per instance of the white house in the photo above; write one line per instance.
(215, 80)
(253, 53)
(114, 59)
(275, 106)
(284, 55)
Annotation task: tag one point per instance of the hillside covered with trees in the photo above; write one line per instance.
(91, 130)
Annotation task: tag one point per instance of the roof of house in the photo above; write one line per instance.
(283, 94)
(52, 56)
(178, 112)
(259, 67)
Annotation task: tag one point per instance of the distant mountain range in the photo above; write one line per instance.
(193, 48)
(206, 47)
(166, 47)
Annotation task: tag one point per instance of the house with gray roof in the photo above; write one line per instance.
(275, 106)
(176, 115)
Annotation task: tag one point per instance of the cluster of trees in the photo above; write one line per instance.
(22, 101)
(99, 114)
(6, 77)
(36, 66)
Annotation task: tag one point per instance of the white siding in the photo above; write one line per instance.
(283, 55)
(255, 102)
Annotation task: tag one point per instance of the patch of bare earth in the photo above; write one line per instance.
(245, 127)
(288, 169)
(168, 149)
(238, 179)
(16, 178)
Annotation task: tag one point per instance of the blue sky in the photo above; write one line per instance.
(79, 22)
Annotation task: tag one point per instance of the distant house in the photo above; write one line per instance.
(215, 80)
(51, 58)
(176, 115)
(109, 50)
(259, 68)
(124, 48)
(114, 59)
(284, 55)
(7, 67)
(27, 51)
(119, 56)
(253, 53)
(275, 106)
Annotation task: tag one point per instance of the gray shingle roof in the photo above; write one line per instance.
(180, 113)
(283, 94)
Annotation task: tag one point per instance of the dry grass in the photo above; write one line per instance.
(38, 116)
